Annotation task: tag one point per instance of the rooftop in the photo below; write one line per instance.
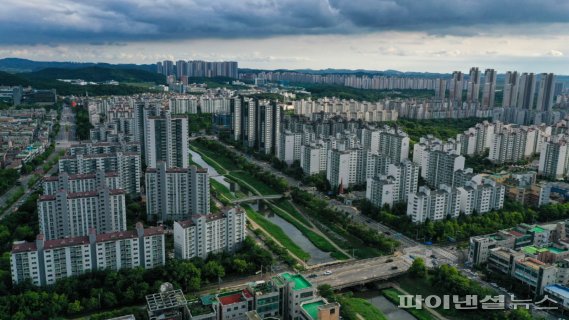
(300, 283)
(558, 289)
(197, 308)
(233, 297)
(165, 300)
(311, 308)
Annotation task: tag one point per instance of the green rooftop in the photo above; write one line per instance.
(533, 250)
(555, 250)
(312, 308)
(537, 229)
(299, 282)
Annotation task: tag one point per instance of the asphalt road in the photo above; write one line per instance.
(360, 271)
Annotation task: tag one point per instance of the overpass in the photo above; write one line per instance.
(257, 198)
(359, 272)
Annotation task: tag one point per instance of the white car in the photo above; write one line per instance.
(327, 272)
(493, 284)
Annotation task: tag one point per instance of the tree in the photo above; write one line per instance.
(418, 268)
(520, 314)
(240, 265)
(74, 307)
(326, 291)
(213, 270)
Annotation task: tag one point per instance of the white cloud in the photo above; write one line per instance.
(555, 53)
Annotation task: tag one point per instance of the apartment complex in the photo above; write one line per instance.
(126, 164)
(43, 262)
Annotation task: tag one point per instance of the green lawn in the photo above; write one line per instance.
(393, 296)
(352, 306)
(287, 206)
(423, 287)
(258, 185)
(222, 192)
(277, 233)
(227, 163)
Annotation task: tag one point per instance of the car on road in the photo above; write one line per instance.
(394, 268)
(312, 276)
(493, 284)
(327, 272)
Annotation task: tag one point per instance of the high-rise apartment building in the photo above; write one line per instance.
(489, 90)
(208, 234)
(441, 167)
(526, 91)
(68, 214)
(511, 83)
(125, 164)
(44, 261)
(433, 204)
(289, 147)
(166, 139)
(80, 182)
(473, 88)
(176, 193)
(546, 92)
(554, 159)
(456, 87)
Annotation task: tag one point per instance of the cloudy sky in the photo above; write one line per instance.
(408, 35)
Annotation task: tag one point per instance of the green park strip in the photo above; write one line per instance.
(352, 307)
(248, 181)
(277, 233)
(393, 296)
(221, 190)
(216, 160)
(289, 208)
(316, 239)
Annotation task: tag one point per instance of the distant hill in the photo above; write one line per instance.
(95, 74)
(8, 79)
(25, 65)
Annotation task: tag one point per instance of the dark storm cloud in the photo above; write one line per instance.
(116, 21)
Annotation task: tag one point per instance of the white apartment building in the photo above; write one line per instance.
(441, 167)
(554, 159)
(67, 214)
(44, 262)
(166, 139)
(380, 190)
(433, 204)
(313, 158)
(512, 144)
(126, 164)
(104, 147)
(394, 143)
(406, 179)
(289, 147)
(176, 193)
(213, 233)
(80, 182)
(481, 196)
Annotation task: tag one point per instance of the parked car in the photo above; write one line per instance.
(314, 275)
(327, 272)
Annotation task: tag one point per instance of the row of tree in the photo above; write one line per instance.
(341, 223)
(465, 226)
